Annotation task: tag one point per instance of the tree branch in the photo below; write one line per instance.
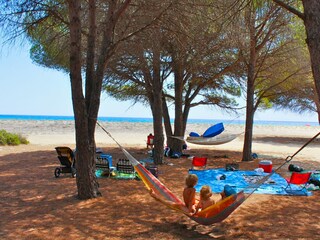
(290, 9)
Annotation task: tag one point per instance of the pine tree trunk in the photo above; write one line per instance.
(247, 147)
(85, 154)
(312, 25)
(157, 111)
(178, 92)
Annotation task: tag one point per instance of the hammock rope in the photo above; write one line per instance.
(150, 181)
(213, 214)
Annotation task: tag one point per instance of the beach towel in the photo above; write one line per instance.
(242, 180)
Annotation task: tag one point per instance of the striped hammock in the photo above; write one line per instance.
(213, 214)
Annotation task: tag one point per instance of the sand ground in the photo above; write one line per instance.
(36, 205)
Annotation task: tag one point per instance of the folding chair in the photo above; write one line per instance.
(199, 162)
(298, 178)
(125, 170)
(103, 163)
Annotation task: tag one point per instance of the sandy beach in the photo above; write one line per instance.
(36, 205)
(266, 138)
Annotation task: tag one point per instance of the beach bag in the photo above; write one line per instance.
(315, 182)
(295, 168)
(232, 166)
(175, 154)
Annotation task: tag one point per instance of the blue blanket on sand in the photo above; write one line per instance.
(239, 180)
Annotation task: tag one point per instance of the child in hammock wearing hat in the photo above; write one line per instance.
(227, 191)
(189, 196)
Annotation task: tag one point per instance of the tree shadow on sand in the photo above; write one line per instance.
(36, 205)
(295, 141)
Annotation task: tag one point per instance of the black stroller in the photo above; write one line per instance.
(67, 160)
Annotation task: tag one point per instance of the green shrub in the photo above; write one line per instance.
(11, 138)
(3, 139)
(23, 140)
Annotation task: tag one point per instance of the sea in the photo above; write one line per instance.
(149, 120)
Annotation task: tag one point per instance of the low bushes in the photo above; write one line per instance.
(11, 138)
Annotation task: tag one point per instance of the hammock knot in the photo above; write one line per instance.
(288, 159)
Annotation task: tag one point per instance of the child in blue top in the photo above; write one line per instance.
(227, 191)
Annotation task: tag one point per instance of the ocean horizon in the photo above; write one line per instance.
(149, 120)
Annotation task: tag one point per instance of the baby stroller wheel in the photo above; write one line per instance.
(57, 172)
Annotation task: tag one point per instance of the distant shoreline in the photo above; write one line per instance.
(268, 139)
(149, 120)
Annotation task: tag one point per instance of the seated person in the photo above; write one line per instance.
(205, 199)
(227, 191)
(150, 139)
(189, 196)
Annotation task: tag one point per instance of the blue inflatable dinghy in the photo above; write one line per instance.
(214, 130)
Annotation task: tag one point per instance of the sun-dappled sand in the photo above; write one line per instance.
(36, 205)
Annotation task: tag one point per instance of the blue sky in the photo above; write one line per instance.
(29, 89)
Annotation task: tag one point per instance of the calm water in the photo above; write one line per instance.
(147, 120)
